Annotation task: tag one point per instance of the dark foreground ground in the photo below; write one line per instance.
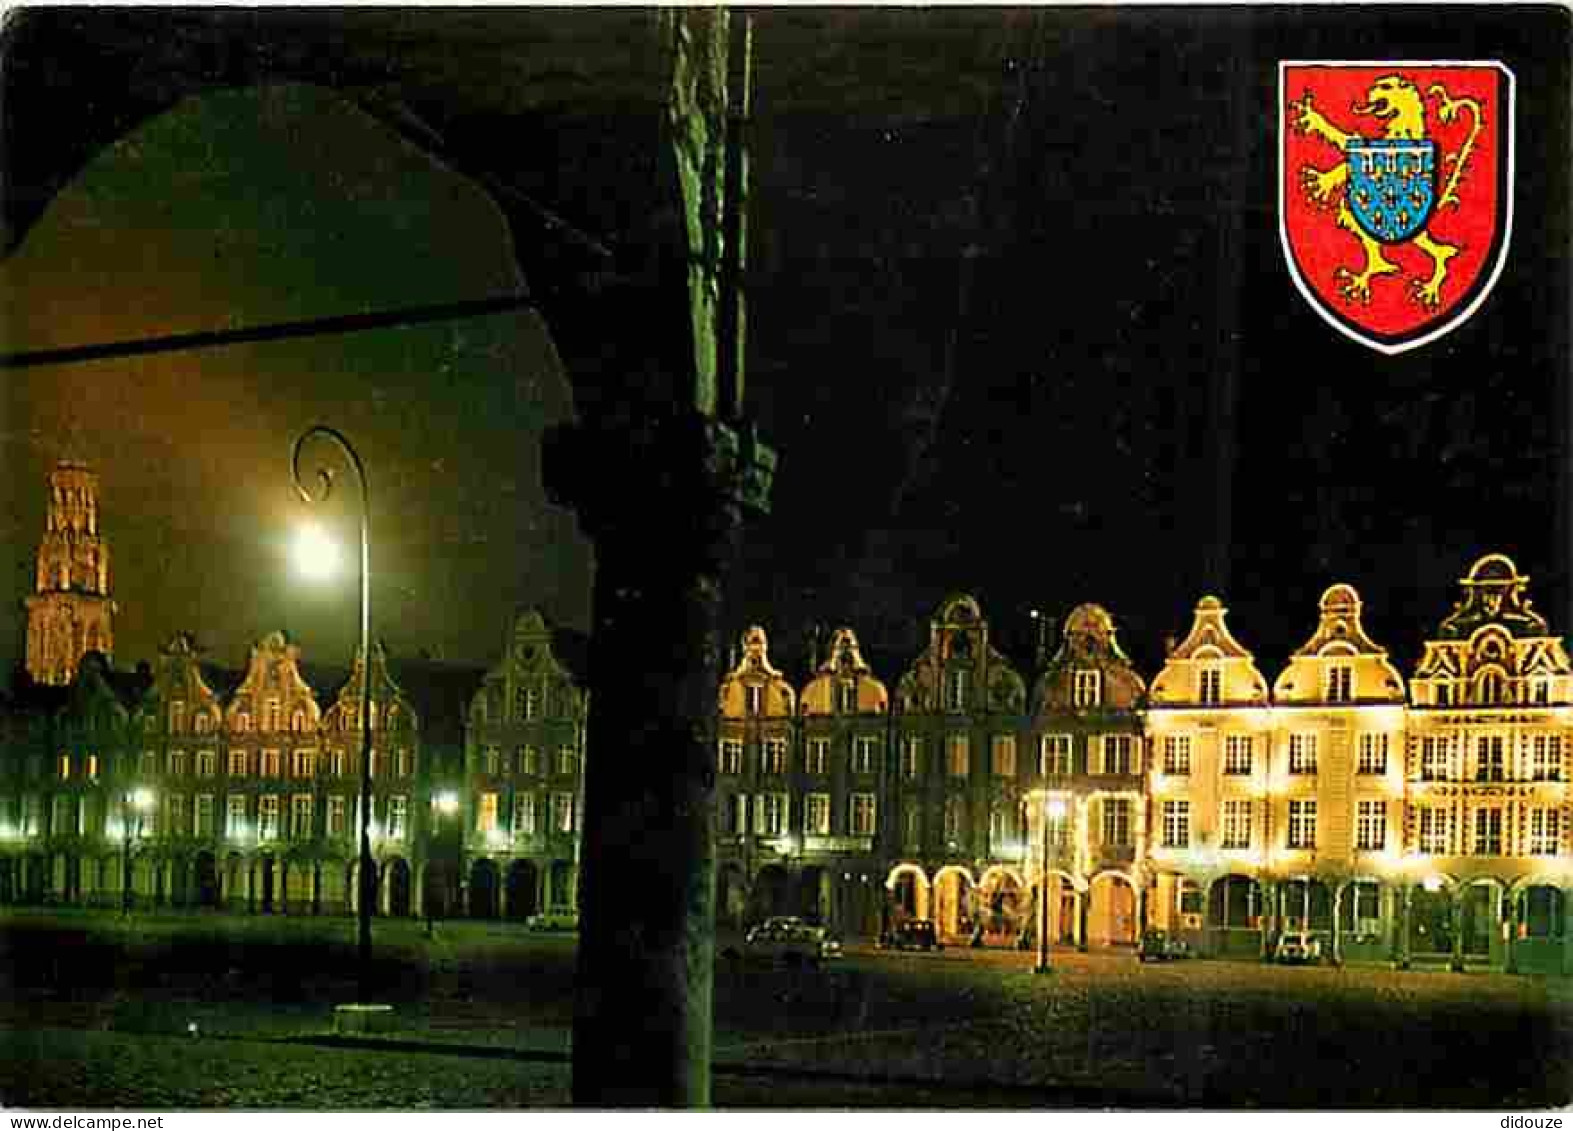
(95, 1012)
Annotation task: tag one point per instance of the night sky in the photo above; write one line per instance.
(1020, 325)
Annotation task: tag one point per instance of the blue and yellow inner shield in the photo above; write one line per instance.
(1392, 185)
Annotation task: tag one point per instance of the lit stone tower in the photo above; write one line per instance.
(70, 611)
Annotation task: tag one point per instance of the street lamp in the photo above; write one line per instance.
(138, 802)
(444, 804)
(1053, 810)
(313, 549)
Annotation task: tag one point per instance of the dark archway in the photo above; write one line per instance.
(267, 882)
(483, 890)
(731, 905)
(8, 884)
(397, 871)
(36, 879)
(205, 874)
(1431, 922)
(71, 890)
(521, 896)
(770, 894)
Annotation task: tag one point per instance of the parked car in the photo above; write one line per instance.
(788, 941)
(914, 934)
(1298, 948)
(1158, 945)
(558, 919)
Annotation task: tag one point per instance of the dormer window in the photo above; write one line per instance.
(177, 716)
(274, 715)
(1340, 683)
(753, 699)
(1540, 691)
(202, 722)
(1210, 685)
(1087, 687)
(848, 691)
(1490, 689)
(956, 690)
(1444, 694)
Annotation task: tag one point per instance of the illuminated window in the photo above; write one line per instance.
(1086, 687)
(1434, 830)
(207, 763)
(911, 757)
(235, 817)
(731, 756)
(958, 756)
(92, 767)
(398, 817)
(956, 690)
(1340, 683)
(1117, 754)
(1116, 822)
(406, 761)
(1238, 751)
(1490, 689)
(337, 763)
(1176, 824)
(1177, 755)
(848, 701)
(816, 814)
(203, 722)
(268, 817)
(272, 763)
(1540, 691)
(818, 756)
(1236, 832)
(297, 721)
(1210, 685)
(862, 818)
(273, 715)
(912, 827)
(149, 766)
(1488, 831)
(237, 763)
(62, 815)
(336, 816)
(775, 756)
(753, 698)
(177, 717)
(1054, 755)
(1002, 754)
(203, 825)
(1302, 824)
(486, 813)
(1371, 826)
(1546, 758)
(1490, 764)
(567, 761)
(771, 814)
(865, 749)
(491, 761)
(1436, 753)
(530, 761)
(523, 814)
(179, 762)
(1373, 753)
(303, 763)
(300, 817)
(1444, 694)
(64, 767)
(1302, 753)
(1545, 832)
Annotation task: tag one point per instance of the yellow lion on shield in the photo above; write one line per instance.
(1398, 104)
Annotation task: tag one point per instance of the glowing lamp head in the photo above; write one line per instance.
(142, 799)
(1432, 883)
(1055, 808)
(447, 802)
(316, 555)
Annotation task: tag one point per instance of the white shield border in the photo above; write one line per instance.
(1463, 313)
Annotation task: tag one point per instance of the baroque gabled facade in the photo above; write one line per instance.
(523, 768)
(70, 612)
(1486, 835)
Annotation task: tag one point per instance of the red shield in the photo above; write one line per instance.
(1391, 140)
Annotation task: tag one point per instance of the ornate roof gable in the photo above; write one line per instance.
(844, 661)
(753, 668)
(391, 703)
(178, 676)
(273, 671)
(1208, 642)
(1494, 593)
(1209, 637)
(1088, 641)
(1339, 635)
(959, 639)
(528, 658)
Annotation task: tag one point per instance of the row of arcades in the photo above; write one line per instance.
(284, 883)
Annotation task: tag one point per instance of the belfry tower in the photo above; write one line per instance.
(70, 612)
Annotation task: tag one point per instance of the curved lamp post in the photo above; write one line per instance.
(444, 804)
(365, 880)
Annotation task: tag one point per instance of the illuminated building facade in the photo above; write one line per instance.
(1083, 779)
(520, 803)
(959, 726)
(1485, 837)
(1209, 729)
(70, 612)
